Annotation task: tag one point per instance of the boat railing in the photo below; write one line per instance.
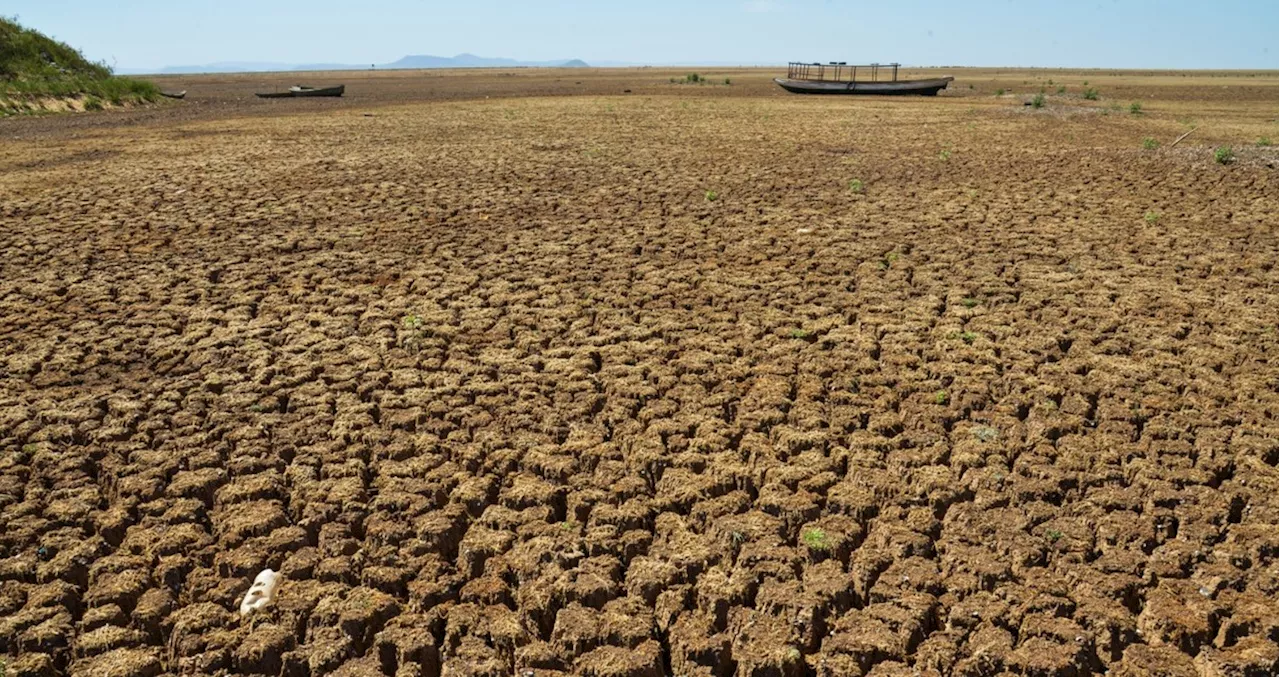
(839, 71)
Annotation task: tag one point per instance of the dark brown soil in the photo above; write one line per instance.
(632, 385)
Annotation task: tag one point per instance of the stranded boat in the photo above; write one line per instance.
(841, 78)
(303, 91)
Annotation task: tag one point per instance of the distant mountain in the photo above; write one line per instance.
(411, 61)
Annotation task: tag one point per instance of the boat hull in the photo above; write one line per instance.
(303, 91)
(928, 87)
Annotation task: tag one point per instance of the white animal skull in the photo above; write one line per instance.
(261, 592)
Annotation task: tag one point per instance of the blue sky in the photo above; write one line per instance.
(1099, 33)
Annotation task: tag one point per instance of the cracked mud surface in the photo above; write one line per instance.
(498, 386)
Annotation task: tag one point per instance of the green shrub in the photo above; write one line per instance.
(727, 81)
(712, 196)
(1135, 108)
(1262, 141)
(1037, 101)
(1062, 90)
(1150, 143)
(92, 102)
(1224, 155)
(856, 185)
(1090, 94)
(693, 77)
(1151, 217)
(34, 66)
(999, 92)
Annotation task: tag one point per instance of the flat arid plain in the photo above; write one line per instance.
(589, 372)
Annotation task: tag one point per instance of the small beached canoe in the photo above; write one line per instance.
(174, 95)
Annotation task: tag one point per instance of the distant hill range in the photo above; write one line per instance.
(413, 61)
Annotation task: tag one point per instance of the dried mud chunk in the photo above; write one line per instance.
(262, 649)
(696, 642)
(198, 484)
(245, 520)
(407, 640)
(1143, 660)
(1179, 616)
(1252, 656)
(719, 589)
(31, 665)
(474, 658)
(913, 574)
(1043, 656)
(48, 636)
(124, 662)
(625, 622)
(647, 577)
(359, 615)
(612, 661)
(97, 617)
(153, 607)
(764, 646)
(188, 626)
(105, 639)
(478, 545)
(326, 648)
(986, 651)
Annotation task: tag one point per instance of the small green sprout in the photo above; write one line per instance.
(1053, 535)
(1150, 143)
(712, 196)
(1224, 155)
(1090, 93)
(969, 302)
(941, 397)
(1151, 217)
(968, 337)
(1135, 108)
(815, 539)
(856, 185)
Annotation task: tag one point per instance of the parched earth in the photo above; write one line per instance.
(641, 385)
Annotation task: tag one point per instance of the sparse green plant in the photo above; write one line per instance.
(1000, 92)
(799, 334)
(941, 397)
(1090, 93)
(970, 302)
(815, 539)
(1085, 83)
(92, 102)
(568, 525)
(856, 185)
(1223, 155)
(1150, 143)
(1050, 82)
(737, 538)
(412, 322)
(968, 337)
(712, 196)
(944, 154)
(1151, 217)
(1262, 141)
(1053, 535)
(971, 192)
(1135, 108)
(1062, 89)
(727, 81)
(693, 77)
(1037, 101)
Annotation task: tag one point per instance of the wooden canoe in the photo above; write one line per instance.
(928, 87)
(174, 95)
(303, 91)
(318, 91)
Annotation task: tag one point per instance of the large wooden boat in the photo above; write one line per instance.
(842, 78)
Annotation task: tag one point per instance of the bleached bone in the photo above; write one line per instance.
(261, 592)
